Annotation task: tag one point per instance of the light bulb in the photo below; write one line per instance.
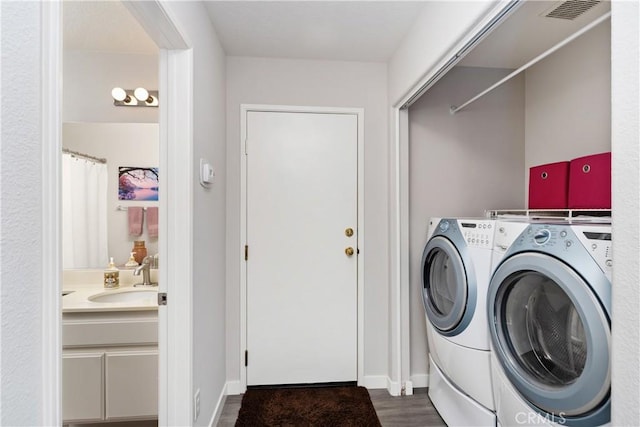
(142, 94)
(119, 94)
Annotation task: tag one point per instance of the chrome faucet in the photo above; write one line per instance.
(146, 272)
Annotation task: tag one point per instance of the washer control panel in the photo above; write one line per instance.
(540, 235)
(562, 240)
(597, 241)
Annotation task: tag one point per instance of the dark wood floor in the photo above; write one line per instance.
(407, 411)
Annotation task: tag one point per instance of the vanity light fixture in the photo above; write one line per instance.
(139, 97)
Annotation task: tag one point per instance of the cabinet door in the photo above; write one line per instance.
(82, 386)
(132, 384)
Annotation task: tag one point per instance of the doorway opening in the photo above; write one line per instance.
(175, 83)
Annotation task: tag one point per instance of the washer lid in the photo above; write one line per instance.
(448, 283)
(552, 337)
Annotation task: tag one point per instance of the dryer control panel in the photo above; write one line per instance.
(478, 233)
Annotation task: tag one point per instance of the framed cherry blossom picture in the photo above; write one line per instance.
(137, 183)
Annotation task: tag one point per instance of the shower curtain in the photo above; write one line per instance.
(84, 213)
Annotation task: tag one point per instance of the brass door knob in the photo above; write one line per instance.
(349, 251)
(348, 232)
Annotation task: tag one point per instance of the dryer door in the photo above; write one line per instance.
(551, 336)
(448, 298)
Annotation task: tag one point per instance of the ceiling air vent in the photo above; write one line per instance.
(571, 9)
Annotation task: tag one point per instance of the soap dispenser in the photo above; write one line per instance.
(132, 261)
(111, 276)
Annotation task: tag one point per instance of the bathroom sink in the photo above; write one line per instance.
(128, 295)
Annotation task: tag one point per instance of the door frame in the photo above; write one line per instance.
(401, 379)
(359, 112)
(176, 143)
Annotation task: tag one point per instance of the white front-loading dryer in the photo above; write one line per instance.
(456, 267)
(549, 306)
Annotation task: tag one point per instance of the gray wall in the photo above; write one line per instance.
(209, 206)
(317, 83)
(568, 101)
(90, 76)
(460, 165)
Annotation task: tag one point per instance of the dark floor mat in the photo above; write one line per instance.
(324, 406)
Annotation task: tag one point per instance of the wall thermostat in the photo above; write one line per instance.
(207, 173)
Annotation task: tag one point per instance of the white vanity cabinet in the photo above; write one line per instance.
(131, 384)
(110, 366)
(82, 386)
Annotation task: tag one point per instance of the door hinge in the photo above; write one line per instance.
(162, 298)
(246, 358)
(246, 252)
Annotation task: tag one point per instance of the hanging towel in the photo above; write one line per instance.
(152, 221)
(136, 216)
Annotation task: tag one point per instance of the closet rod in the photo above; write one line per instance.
(535, 60)
(84, 156)
(480, 35)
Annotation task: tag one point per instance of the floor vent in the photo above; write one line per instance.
(572, 9)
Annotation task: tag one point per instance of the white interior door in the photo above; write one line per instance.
(301, 284)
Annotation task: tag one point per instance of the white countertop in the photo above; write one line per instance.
(84, 284)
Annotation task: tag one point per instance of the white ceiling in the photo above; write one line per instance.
(330, 30)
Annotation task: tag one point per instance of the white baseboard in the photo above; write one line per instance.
(219, 406)
(373, 381)
(420, 380)
(381, 382)
(394, 387)
(234, 388)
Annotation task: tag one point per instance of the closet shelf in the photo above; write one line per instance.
(571, 215)
(454, 109)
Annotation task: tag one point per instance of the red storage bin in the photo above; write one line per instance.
(590, 182)
(548, 186)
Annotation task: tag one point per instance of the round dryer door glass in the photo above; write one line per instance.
(444, 286)
(443, 282)
(544, 330)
